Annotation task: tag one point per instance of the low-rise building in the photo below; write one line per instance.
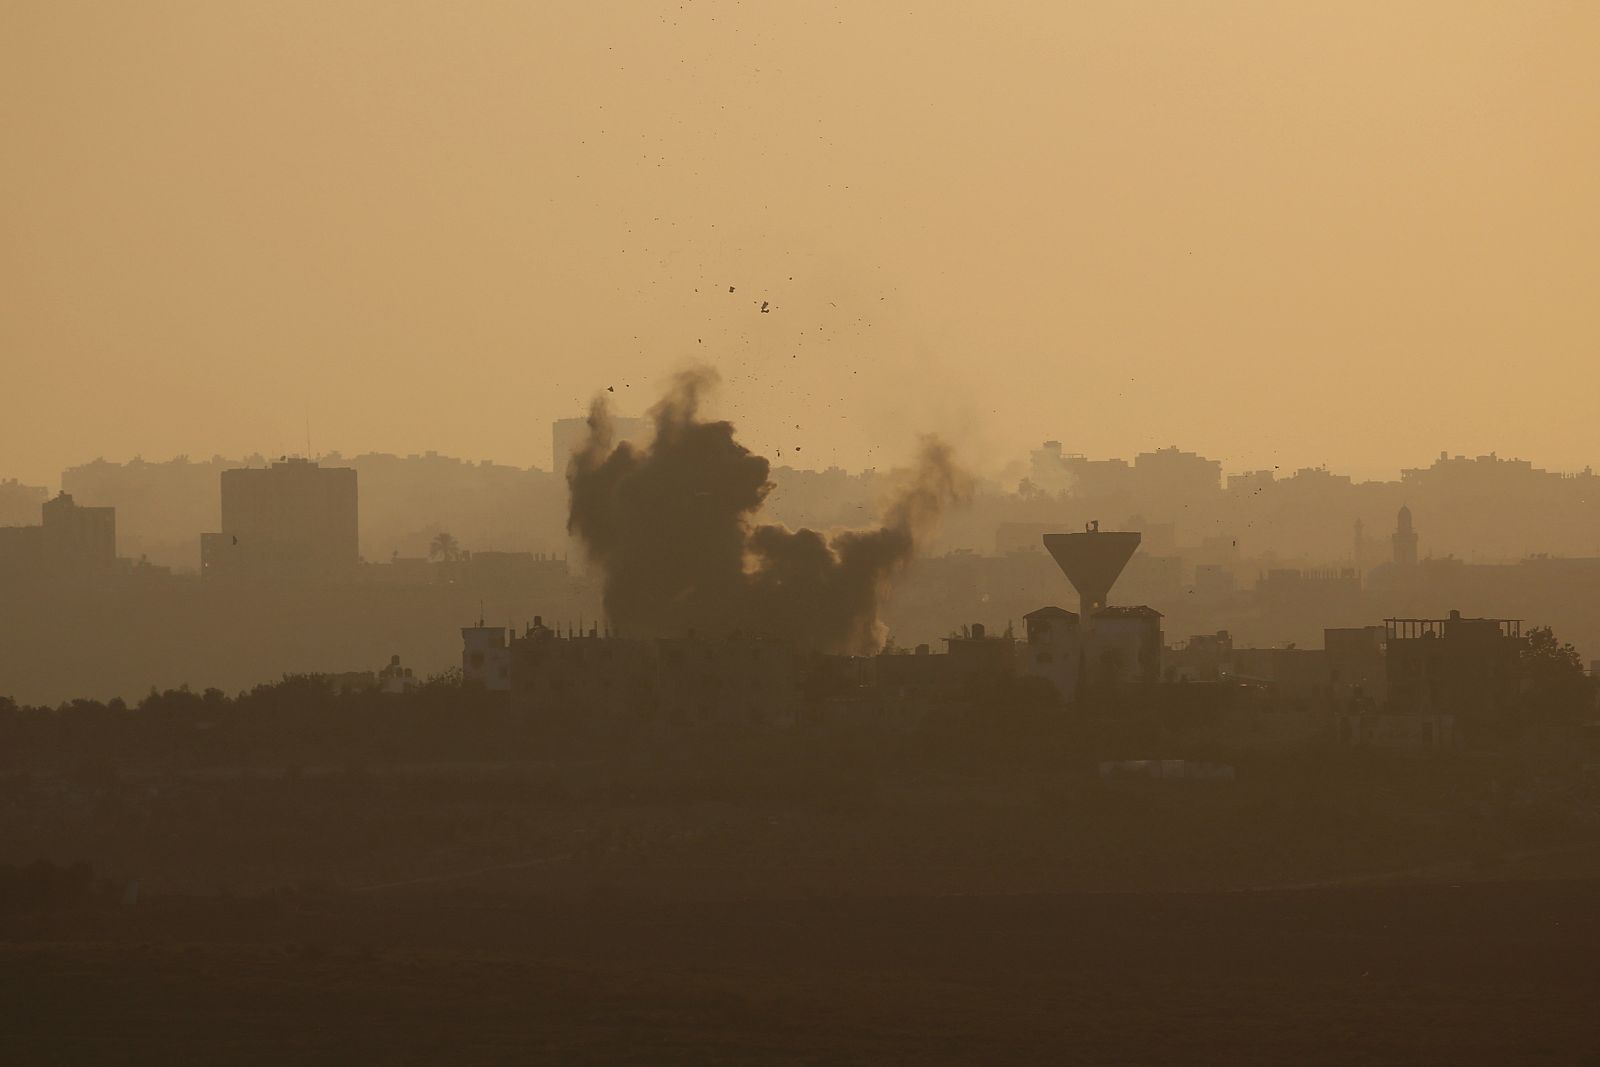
(1468, 668)
(485, 657)
(1122, 647)
(396, 680)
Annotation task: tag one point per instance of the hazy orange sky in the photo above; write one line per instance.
(1343, 233)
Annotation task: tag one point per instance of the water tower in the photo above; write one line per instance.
(1092, 561)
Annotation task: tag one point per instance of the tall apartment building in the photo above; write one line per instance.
(292, 518)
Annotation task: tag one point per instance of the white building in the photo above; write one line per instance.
(485, 657)
(395, 679)
(1122, 646)
(1053, 650)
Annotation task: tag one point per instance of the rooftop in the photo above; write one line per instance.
(1141, 611)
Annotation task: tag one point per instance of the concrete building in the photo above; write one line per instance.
(1121, 647)
(1126, 644)
(485, 657)
(80, 536)
(911, 675)
(1202, 658)
(1052, 649)
(291, 519)
(1171, 477)
(1054, 471)
(1357, 668)
(71, 539)
(977, 656)
(1298, 676)
(395, 680)
(1468, 668)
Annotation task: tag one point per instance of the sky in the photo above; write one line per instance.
(1352, 234)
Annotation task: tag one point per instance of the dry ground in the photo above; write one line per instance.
(1485, 972)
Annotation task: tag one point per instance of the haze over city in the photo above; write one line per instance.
(1341, 234)
(722, 532)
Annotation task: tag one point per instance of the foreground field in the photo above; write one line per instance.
(966, 896)
(1469, 973)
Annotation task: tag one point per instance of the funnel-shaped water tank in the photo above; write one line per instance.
(1092, 561)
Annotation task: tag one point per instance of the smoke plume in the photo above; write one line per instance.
(673, 528)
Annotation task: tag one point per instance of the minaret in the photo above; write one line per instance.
(1404, 540)
(1361, 531)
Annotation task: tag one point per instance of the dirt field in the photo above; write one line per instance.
(1472, 973)
(751, 905)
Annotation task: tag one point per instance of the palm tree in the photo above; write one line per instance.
(444, 548)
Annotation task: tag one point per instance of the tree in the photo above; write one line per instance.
(1554, 685)
(444, 548)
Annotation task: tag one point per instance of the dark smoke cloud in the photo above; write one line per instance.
(673, 528)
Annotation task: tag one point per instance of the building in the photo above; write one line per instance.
(1202, 658)
(911, 675)
(1404, 540)
(1357, 669)
(1121, 647)
(619, 682)
(1296, 604)
(78, 536)
(1125, 644)
(395, 680)
(1468, 668)
(978, 661)
(1170, 478)
(1052, 649)
(290, 519)
(71, 539)
(485, 656)
(1298, 676)
(1053, 471)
